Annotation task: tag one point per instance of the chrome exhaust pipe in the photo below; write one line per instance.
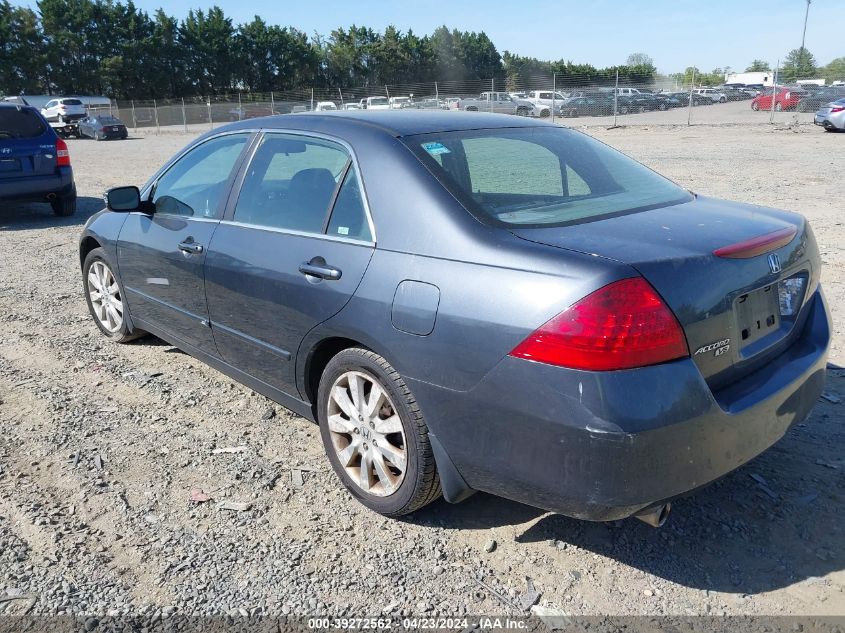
(655, 516)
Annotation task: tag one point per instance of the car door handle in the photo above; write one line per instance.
(190, 247)
(320, 269)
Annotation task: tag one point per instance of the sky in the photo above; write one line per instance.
(675, 33)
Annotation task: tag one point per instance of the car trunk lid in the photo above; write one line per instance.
(730, 305)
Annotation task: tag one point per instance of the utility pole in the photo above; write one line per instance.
(804, 34)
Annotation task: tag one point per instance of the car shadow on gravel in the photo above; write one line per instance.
(25, 216)
(775, 522)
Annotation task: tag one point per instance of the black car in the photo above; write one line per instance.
(34, 161)
(815, 100)
(684, 97)
(102, 127)
(588, 106)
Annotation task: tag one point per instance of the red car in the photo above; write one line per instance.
(785, 99)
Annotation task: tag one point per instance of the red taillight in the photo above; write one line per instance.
(837, 109)
(620, 326)
(62, 155)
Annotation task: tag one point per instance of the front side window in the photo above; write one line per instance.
(543, 176)
(291, 182)
(195, 185)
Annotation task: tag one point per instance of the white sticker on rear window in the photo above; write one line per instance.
(343, 230)
(435, 148)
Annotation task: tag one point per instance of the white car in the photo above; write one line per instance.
(64, 110)
(376, 103)
(324, 106)
(714, 95)
(351, 106)
(544, 99)
(399, 103)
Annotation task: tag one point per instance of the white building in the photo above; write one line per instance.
(765, 77)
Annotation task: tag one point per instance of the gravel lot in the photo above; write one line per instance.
(103, 444)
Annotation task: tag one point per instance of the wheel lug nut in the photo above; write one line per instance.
(372, 425)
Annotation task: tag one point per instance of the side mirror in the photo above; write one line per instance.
(123, 199)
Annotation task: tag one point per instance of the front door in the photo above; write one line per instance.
(288, 255)
(161, 255)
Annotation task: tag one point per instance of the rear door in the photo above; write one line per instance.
(27, 144)
(161, 255)
(289, 254)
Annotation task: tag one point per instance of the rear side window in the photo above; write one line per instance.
(291, 182)
(71, 102)
(23, 123)
(348, 216)
(543, 176)
(294, 182)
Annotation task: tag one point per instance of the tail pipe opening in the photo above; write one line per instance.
(655, 516)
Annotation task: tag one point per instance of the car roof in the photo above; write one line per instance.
(394, 122)
(17, 106)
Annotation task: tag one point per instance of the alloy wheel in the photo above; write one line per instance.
(367, 433)
(106, 299)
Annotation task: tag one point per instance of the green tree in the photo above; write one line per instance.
(799, 64)
(207, 39)
(640, 59)
(758, 66)
(22, 51)
(835, 70)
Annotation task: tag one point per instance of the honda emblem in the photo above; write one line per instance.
(774, 263)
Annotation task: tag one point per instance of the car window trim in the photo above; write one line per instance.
(343, 174)
(148, 191)
(228, 214)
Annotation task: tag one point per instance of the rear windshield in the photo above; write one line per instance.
(24, 123)
(107, 119)
(71, 102)
(378, 101)
(542, 176)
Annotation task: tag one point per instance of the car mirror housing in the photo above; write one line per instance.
(123, 199)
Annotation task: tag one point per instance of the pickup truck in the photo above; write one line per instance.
(498, 102)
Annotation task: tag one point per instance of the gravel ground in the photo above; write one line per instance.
(104, 444)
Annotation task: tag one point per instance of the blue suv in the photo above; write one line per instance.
(34, 161)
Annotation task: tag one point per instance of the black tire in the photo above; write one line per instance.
(420, 484)
(124, 334)
(64, 206)
(573, 113)
(755, 106)
(661, 106)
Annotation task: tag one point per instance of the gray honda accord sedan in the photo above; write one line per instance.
(469, 301)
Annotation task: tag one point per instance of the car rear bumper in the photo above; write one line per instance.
(38, 187)
(829, 122)
(604, 445)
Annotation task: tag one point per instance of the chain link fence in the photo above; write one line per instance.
(572, 100)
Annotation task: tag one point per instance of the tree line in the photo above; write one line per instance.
(113, 48)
